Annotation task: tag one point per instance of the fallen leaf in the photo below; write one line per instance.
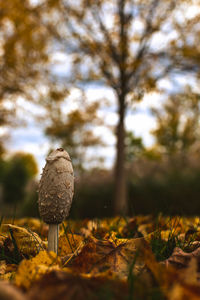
(130, 230)
(175, 284)
(181, 259)
(32, 223)
(31, 270)
(28, 243)
(99, 256)
(70, 244)
(61, 285)
(11, 267)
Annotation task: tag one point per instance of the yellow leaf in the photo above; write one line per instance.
(32, 223)
(28, 242)
(31, 270)
(70, 243)
(7, 271)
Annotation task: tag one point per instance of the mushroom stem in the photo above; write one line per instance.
(53, 237)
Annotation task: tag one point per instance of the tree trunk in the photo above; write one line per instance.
(120, 193)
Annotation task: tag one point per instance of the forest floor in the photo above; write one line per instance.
(118, 258)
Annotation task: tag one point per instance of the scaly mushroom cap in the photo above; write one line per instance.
(56, 187)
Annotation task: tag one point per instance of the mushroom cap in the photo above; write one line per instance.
(56, 187)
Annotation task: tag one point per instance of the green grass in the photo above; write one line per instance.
(163, 249)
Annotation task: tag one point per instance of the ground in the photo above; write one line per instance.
(142, 257)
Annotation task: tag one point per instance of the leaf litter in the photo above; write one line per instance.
(118, 258)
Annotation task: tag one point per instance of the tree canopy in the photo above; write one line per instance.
(128, 46)
(178, 128)
(75, 131)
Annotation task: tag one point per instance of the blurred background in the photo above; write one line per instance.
(115, 83)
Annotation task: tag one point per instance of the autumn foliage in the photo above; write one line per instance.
(117, 258)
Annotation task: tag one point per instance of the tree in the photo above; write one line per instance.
(110, 42)
(113, 43)
(23, 46)
(75, 131)
(134, 146)
(25, 54)
(178, 123)
(18, 170)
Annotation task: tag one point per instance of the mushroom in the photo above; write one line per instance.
(56, 190)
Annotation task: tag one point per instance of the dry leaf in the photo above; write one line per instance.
(28, 242)
(70, 244)
(181, 259)
(7, 277)
(99, 256)
(32, 223)
(31, 270)
(62, 286)
(8, 271)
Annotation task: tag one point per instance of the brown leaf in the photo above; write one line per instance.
(130, 229)
(181, 259)
(99, 256)
(61, 285)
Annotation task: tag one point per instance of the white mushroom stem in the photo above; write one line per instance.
(53, 237)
